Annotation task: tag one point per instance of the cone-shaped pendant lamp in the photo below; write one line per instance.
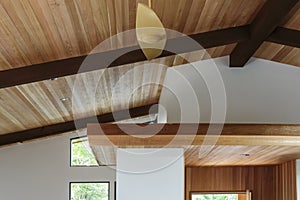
(151, 35)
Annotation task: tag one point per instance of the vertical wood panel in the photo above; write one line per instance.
(188, 182)
(260, 180)
(265, 182)
(286, 181)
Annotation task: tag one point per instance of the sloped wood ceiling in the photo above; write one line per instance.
(282, 53)
(33, 32)
(39, 104)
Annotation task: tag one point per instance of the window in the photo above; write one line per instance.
(219, 195)
(89, 191)
(81, 153)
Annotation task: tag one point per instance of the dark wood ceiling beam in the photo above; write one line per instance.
(70, 66)
(266, 21)
(184, 44)
(55, 129)
(286, 37)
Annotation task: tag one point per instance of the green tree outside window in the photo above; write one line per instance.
(89, 191)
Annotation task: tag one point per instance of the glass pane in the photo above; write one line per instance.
(89, 191)
(81, 154)
(215, 197)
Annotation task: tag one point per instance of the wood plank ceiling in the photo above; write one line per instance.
(259, 147)
(221, 155)
(40, 31)
(282, 53)
(33, 32)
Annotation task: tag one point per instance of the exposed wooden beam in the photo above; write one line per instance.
(266, 21)
(160, 135)
(70, 66)
(286, 37)
(55, 129)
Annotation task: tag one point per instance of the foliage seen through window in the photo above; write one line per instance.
(81, 154)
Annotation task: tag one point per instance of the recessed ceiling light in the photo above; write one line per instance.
(64, 99)
(245, 154)
(53, 79)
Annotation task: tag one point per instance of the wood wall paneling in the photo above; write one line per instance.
(265, 182)
(260, 180)
(286, 181)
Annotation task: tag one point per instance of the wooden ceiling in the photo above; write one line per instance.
(37, 32)
(259, 148)
(40, 104)
(34, 32)
(220, 155)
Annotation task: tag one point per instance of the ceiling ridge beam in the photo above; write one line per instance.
(96, 61)
(285, 36)
(55, 129)
(266, 21)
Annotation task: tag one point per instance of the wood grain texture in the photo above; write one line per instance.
(265, 144)
(181, 44)
(218, 156)
(190, 129)
(279, 53)
(286, 181)
(265, 182)
(292, 20)
(261, 180)
(54, 129)
(177, 135)
(34, 32)
(234, 155)
(265, 22)
(38, 104)
(185, 140)
(89, 94)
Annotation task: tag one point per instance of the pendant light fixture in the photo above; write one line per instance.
(150, 32)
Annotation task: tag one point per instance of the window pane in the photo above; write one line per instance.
(89, 191)
(81, 154)
(214, 197)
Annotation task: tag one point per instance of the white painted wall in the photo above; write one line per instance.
(40, 170)
(261, 92)
(149, 174)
